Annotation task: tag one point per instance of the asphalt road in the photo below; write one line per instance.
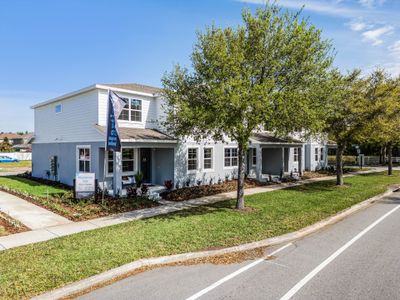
(357, 258)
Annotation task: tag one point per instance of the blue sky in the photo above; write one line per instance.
(49, 47)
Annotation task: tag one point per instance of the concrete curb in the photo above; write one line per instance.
(104, 277)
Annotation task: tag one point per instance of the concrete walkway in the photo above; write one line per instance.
(51, 232)
(31, 215)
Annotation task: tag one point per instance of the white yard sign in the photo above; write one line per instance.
(84, 185)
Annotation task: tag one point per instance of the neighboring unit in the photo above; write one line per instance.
(70, 134)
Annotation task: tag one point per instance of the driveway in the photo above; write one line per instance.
(357, 258)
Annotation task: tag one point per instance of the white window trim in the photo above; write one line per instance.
(136, 161)
(316, 154)
(212, 158)
(296, 154)
(108, 173)
(130, 111)
(252, 157)
(198, 160)
(230, 167)
(78, 147)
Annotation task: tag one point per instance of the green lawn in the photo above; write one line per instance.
(32, 269)
(7, 167)
(29, 186)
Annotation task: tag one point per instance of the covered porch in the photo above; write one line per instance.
(144, 151)
(274, 158)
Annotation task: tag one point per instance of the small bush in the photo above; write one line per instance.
(168, 184)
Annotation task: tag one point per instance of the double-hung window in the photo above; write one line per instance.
(231, 157)
(254, 156)
(316, 155)
(83, 159)
(132, 110)
(208, 159)
(110, 162)
(296, 154)
(192, 159)
(322, 154)
(128, 160)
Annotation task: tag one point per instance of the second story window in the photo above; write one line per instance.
(58, 108)
(132, 110)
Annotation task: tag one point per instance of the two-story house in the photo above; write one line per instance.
(72, 127)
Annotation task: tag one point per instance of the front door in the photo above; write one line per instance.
(145, 164)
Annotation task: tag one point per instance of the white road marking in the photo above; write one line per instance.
(236, 273)
(314, 272)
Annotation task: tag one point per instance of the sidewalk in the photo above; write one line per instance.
(48, 233)
(31, 215)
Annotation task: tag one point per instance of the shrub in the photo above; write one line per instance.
(168, 184)
(144, 190)
(139, 178)
(131, 192)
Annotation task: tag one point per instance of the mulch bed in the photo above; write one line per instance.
(84, 209)
(10, 225)
(194, 192)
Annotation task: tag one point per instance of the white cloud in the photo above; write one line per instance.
(371, 3)
(374, 36)
(395, 48)
(358, 25)
(322, 7)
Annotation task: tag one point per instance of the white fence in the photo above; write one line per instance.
(18, 155)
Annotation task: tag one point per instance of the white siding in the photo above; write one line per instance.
(76, 122)
(149, 110)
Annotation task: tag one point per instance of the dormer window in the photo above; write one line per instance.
(58, 108)
(132, 110)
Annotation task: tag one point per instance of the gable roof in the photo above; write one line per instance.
(135, 87)
(130, 88)
(268, 138)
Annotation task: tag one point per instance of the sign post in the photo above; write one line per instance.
(85, 185)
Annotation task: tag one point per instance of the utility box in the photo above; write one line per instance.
(54, 166)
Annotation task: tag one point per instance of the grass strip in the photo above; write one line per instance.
(30, 270)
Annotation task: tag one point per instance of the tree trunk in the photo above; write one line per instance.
(390, 161)
(240, 181)
(381, 155)
(339, 164)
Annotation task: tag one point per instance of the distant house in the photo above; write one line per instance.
(72, 128)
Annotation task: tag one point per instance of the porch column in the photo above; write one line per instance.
(117, 173)
(300, 161)
(259, 163)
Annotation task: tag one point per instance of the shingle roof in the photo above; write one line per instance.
(135, 87)
(268, 138)
(139, 134)
(11, 136)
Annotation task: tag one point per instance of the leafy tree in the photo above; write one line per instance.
(383, 95)
(266, 74)
(5, 146)
(355, 107)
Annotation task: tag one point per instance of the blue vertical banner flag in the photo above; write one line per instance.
(115, 106)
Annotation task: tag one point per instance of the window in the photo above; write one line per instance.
(208, 158)
(84, 159)
(296, 154)
(110, 162)
(231, 157)
(254, 156)
(125, 111)
(322, 154)
(136, 110)
(132, 110)
(192, 159)
(316, 156)
(128, 160)
(58, 108)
